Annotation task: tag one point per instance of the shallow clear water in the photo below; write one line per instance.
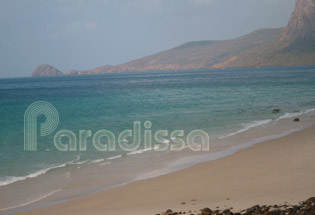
(220, 102)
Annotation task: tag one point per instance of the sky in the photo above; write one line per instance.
(84, 34)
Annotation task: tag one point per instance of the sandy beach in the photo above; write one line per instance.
(133, 107)
(272, 172)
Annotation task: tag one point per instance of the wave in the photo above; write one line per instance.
(80, 162)
(291, 115)
(12, 179)
(140, 151)
(247, 126)
(40, 197)
(166, 141)
(97, 161)
(105, 163)
(114, 157)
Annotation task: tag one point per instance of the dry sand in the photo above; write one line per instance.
(268, 173)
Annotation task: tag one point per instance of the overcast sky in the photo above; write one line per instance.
(83, 34)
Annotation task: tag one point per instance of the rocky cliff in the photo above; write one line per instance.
(302, 22)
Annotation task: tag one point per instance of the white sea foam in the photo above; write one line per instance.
(81, 162)
(156, 147)
(291, 115)
(36, 199)
(105, 163)
(166, 141)
(114, 157)
(12, 179)
(140, 151)
(247, 126)
(97, 161)
(125, 141)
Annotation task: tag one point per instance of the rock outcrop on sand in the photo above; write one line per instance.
(46, 70)
(304, 208)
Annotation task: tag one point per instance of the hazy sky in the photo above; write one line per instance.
(83, 34)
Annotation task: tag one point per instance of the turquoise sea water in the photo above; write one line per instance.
(220, 102)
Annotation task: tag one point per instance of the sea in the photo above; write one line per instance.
(224, 103)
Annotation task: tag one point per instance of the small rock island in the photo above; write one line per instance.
(46, 70)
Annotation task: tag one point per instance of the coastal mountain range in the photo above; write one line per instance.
(288, 46)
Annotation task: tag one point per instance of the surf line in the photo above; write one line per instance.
(196, 140)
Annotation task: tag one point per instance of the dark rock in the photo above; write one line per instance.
(252, 209)
(275, 110)
(307, 207)
(216, 212)
(206, 211)
(168, 212)
(290, 211)
(302, 208)
(227, 212)
(296, 208)
(312, 199)
(296, 120)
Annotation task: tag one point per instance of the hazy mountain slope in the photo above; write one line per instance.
(295, 46)
(195, 55)
(204, 54)
(292, 45)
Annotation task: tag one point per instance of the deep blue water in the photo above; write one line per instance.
(217, 101)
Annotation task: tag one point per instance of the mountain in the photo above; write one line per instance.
(302, 22)
(295, 46)
(292, 45)
(195, 55)
(46, 70)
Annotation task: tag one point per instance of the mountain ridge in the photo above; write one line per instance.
(287, 46)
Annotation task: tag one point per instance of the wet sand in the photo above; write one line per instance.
(271, 172)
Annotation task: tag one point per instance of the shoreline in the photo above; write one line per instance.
(164, 163)
(139, 180)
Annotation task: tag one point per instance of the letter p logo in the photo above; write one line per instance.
(30, 123)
